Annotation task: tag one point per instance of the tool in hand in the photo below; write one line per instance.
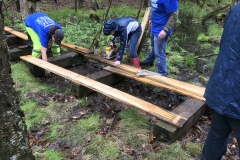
(111, 52)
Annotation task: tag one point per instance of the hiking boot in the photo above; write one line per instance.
(144, 63)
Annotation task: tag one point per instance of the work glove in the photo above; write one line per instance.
(116, 63)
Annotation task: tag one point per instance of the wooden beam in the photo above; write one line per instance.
(144, 24)
(162, 114)
(182, 87)
(145, 79)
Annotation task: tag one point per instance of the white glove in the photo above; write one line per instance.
(116, 63)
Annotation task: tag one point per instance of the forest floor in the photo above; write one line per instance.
(127, 143)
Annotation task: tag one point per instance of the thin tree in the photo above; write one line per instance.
(14, 142)
(96, 39)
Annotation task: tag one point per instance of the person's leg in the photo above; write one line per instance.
(235, 125)
(160, 54)
(36, 52)
(151, 56)
(132, 46)
(216, 143)
(55, 49)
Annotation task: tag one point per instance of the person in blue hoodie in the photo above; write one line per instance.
(128, 29)
(44, 33)
(222, 92)
(164, 14)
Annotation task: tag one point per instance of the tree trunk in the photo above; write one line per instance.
(145, 3)
(14, 142)
(28, 7)
(80, 3)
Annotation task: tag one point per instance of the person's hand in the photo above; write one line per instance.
(111, 44)
(150, 23)
(47, 73)
(162, 34)
(116, 63)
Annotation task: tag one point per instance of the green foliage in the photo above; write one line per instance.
(85, 101)
(190, 61)
(56, 131)
(202, 37)
(53, 155)
(103, 148)
(20, 69)
(29, 108)
(91, 123)
(170, 152)
(215, 29)
(194, 149)
(132, 117)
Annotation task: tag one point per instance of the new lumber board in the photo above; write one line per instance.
(162, 114)
(144, 24)
(145, 79)
(178, 85)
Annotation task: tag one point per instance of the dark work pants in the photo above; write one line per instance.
(216, 143)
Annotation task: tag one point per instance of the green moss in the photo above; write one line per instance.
(170, 152)
(53, 155)
(194, 149)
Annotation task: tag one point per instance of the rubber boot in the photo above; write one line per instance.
(136, 62)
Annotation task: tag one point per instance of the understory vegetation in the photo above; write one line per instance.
(57, 121)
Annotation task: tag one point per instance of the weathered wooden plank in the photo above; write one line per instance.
(144, 24)
(162, 114)
(145, 79)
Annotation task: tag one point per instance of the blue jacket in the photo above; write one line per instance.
(121, 31)
(223, 89)
(41, 23)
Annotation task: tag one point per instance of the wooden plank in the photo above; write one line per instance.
(144, 24)
(150, 81)
(16, 33)
(179, 85)
(162, 114)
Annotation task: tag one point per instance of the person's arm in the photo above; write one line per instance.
(44, 57)
(171, 21)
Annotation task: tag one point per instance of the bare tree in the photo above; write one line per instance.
(30, 6)
(14, 142)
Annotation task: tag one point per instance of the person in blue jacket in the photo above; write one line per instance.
(44, 33)
(222, 92)
(164, 14)
(128, 29)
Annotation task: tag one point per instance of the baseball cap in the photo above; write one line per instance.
(58, 35)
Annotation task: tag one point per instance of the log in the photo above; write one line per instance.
(160, 113)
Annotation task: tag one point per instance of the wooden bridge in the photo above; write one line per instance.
(171, 123)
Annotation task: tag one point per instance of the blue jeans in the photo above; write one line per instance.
(151, 56)
(133, 38)
(158, 51)
(218, 136)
